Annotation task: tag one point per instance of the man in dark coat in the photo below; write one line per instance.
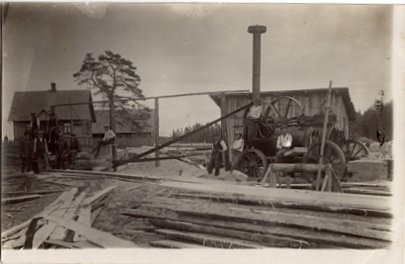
(74, 148)
(62, 153)
(26, 152)
(41, 150)
(218, 149)
(53, 133)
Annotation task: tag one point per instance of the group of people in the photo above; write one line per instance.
(37, 145)
(219, 148)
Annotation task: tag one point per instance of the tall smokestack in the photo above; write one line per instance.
(256, 31)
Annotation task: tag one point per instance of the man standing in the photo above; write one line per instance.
(237, 151)
(53, 133)
(41, 150)
(62, 153)
(109, 137)
(284, 143)
(74, 148)
(34, 126)
(26, 152)
(252, 119)
(218, 148)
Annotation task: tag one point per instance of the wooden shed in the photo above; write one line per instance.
(313, 102)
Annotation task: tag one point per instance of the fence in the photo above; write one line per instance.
(120, 141)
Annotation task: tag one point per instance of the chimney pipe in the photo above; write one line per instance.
(53, 87)
(256, 31)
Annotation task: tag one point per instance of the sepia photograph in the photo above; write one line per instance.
(198, 126)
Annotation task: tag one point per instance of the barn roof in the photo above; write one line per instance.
(103, 118)
(27, 102)
(342, 91)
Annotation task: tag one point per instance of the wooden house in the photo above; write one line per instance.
(72, 118)
(313, 102)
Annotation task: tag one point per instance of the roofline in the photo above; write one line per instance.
(344, 90)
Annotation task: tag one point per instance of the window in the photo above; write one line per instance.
(67, 128)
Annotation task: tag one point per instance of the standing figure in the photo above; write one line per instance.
(53, 133)
(74, 148)
(41, 150)
(252, 120)
(109, 137)
(26, 152)
(34, 126)
(62, 153)
(218, 149)
(284, 143)
(237, 151)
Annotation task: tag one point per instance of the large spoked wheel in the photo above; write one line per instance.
(333, 155)
(253, 164)
(354, 149)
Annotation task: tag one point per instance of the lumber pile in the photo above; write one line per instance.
(367, 170)
(220, 216)
(65, 223)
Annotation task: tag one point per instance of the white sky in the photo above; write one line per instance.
(180, 48)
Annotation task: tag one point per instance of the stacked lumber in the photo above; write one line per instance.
(217, 215)
(66, 223)
(367, 170)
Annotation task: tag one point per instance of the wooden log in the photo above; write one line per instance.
(324, 239)
(165, 243)
(295, 198)
(95, 236)
(19, 199)
(84, 219)
(264, 240)
(64, 244)
(363, 229)
(207, 240)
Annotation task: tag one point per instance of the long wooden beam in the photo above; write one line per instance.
(157, 148)
(153, 97)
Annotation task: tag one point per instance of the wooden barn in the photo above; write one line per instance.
(313, 102)
(73, 118)
(127, 135)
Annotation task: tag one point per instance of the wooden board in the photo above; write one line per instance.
(165, 243)
(289, 197)
(207, 240)
(98, 195)
(212, 210)
(22, 227)
(103, 239)
(83, 173)
(46, 230)
(19, 199)
(322, 238)
(60, 232)
(263, 240)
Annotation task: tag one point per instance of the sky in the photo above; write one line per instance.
(186, 48)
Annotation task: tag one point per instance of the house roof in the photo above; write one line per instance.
(25, 103)
(103, 118)
(342, 91)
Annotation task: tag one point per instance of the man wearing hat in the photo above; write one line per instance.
(284, 143)
(41, 150)
(109, 137)
(218, 149)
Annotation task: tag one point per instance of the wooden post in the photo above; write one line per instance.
(324, 131)
(224, 127)
(156, 134)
